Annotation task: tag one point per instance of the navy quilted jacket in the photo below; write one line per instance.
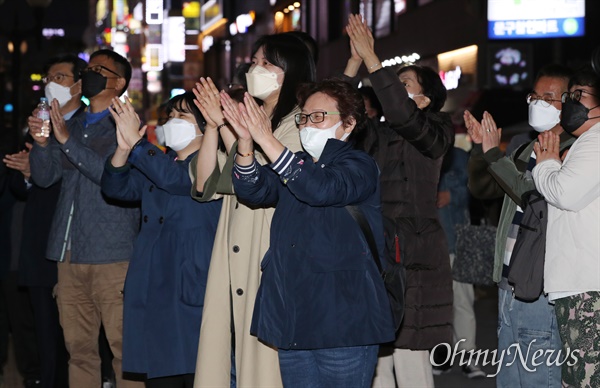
(320, 287)
(100, 230)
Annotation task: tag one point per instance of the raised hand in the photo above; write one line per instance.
(231, 112)
(362, 42)
(208, 100)
(256, 119)
(547, 147)
(128, 123)
(491, 134)
(59, 125)
(473, 127)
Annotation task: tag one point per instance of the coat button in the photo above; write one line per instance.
(236, 249)
(405, 179)
(151, 188)
(293, 245)
(161, 220)
(239, 291)
(151, 152)
(145, 218)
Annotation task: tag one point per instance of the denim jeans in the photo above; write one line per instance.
(533, 327)
(335, 367)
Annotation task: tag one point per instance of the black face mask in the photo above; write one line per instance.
(574, 114)
(92, 83)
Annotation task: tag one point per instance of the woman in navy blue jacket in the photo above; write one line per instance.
(321, 301)
(164, 288)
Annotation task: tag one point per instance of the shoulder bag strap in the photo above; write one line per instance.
(360, 219)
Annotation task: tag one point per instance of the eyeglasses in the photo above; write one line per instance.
(58, 78)
(315, 117)
(546, 101)
(575, 95)
(98, 69)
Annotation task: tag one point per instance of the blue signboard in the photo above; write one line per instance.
(536, 28)
(526, 19)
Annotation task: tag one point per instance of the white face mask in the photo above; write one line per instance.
(160, 134)
(314, 139)
(261, 82)
(179, 133)
(61, 93)
(412, 95)
(543, 118)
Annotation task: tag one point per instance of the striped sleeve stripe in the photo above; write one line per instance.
(246, 170)
(283, 162)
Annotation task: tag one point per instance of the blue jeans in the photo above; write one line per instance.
(335, 367)
(533, 327)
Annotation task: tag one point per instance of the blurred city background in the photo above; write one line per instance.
(487, 52)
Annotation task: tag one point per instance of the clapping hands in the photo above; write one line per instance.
(485, 133)
(128, 123)
(208, 101)
(19, 161)
(547, 147)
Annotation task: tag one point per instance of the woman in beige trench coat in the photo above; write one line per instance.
(242, 237)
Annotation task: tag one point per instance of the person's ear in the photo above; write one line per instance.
(76, 89)
(350, 126)
(120, 84)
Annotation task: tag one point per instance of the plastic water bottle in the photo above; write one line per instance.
(44, 114)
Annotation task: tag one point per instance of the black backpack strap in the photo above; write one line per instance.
(360, 219)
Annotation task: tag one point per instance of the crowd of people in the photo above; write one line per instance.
(235, 257)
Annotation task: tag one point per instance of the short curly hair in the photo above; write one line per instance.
(349, 101)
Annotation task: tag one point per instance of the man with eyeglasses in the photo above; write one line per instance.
(571, 186)
(37, 276)
(90, 238)
(531, 325)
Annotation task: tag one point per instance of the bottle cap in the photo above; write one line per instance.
(42, 99)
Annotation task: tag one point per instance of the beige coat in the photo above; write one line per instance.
(241, 242)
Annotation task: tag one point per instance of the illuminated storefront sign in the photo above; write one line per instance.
(242, 22)
(450, 78)
(50, 32)
(510, 65)
(458, 66)
(210, 13)
(154, 58)
(527, 19)
(173, 38)
(207, 43)
(154, 11)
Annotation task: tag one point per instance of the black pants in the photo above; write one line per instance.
(16, 308)
(179, 381)
(54, 358)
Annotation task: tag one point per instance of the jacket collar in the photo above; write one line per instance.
(333, 148)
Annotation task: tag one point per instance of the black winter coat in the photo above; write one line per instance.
(410, 155)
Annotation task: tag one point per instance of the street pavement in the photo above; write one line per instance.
(486, 313)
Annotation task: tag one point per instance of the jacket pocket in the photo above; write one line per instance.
(192, 284)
